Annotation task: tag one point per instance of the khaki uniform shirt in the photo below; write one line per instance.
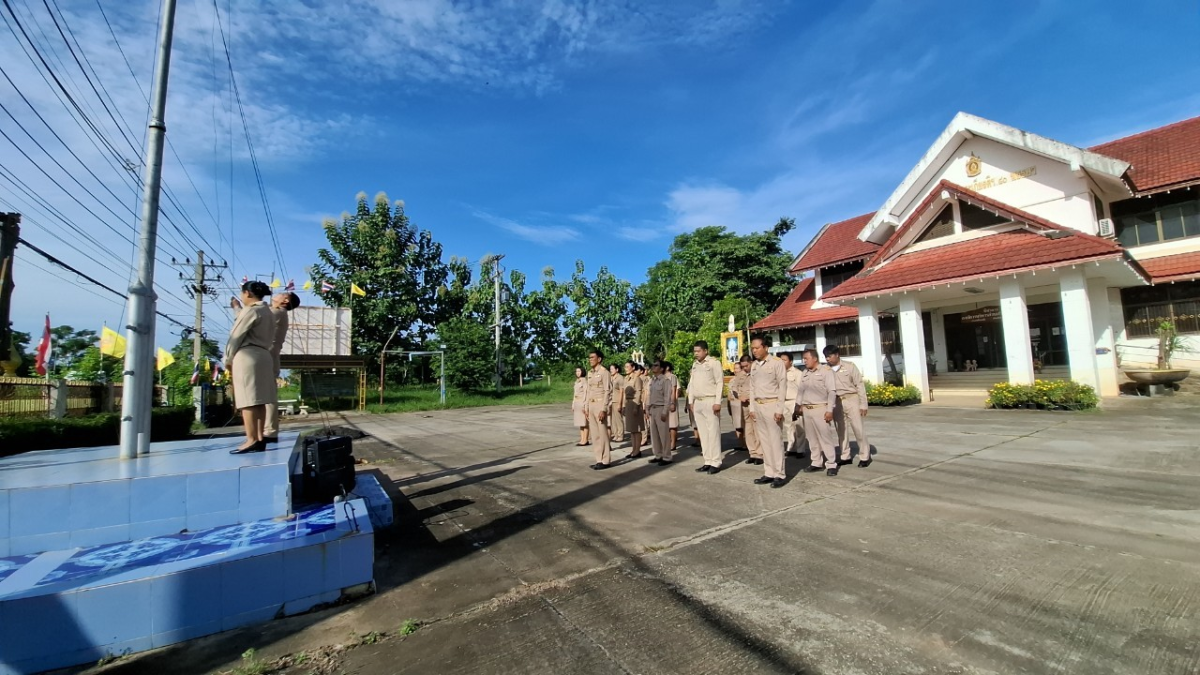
(635, 389)
(849, 380)
(739, 386)
(707, 381)
(660, 392)
(599, 387)
(673, 393)
(281, 328)
(768, 380)
(793, 383)
(818, 386)
(580, 393)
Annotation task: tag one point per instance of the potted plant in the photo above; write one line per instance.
(1169, 342)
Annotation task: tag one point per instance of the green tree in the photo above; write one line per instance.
(601, 315)
(408, 286)
(470, 354)
(679, 353)
(93, 366)
(544, 311)
(177, 376)
(69, 347)
(707, 265)
(20, 344)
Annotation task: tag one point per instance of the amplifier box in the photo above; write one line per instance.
(328, 468)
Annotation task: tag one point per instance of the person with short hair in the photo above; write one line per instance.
(749, 429)
(579, 405)
(792, 422)
(673, 410)
(657, 404)
(850, 407)
(599, 395)
(616, 416)
(818, 394)
(768, 386)
(280, 306)
(738, 385)
(250, 364)
(705, 388)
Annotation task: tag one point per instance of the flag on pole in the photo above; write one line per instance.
(245, 279)
(291, 285)
(164, 358)
(195, 374)
(308, 285)
(111, 343)
(356, 290)
(326, 287)
(43, 349)
(218, 370)
(275, 283)
(207, 366)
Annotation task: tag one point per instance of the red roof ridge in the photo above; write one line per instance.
(1144, 132)
(834, 244)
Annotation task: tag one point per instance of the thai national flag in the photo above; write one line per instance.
(42, 362)
(326, 287)
(291, 286)
(196, 373)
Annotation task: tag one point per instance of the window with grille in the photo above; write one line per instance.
(845, 336)
(1148, 306)
(832, 277)
(1161, 217)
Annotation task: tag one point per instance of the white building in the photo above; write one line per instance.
(1005, 248)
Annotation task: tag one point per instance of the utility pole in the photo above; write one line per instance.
(495, 259)
(197, 287)
(10, 231)
(138, 390)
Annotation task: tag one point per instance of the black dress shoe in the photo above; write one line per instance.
(270, 439)
(812, 469)
(791, 453)
(862, 464)
(845, 462)
(758, 461)
(633, 455)
(653, 460)
(714, 470)
(777, 483)
(831, 472)
(703, 469)
(762, 480)
(751, 461)
(598, 467)
(664, 462)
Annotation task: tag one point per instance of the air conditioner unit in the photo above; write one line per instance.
(1105, 227)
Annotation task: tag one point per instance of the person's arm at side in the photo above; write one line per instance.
(831, 394)
(719, 380)
(606, 381)
(862, 391)
(781, 385)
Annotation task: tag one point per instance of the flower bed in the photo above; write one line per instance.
(1043, 395)
(890, 394)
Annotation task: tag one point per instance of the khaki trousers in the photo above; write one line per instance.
(750, 435)
(708, 429)
(271, 425)
(769, 434)
(789, 425)
(660, 433)
(822, 438)
(735, 413)
(599, 432)
(616, 421)
(847, 413)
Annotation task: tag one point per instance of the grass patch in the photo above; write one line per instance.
(410, 626)
(252, 665)
(418, 398)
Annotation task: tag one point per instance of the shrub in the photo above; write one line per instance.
(890, 394)
(1043, 395)
(19, 435)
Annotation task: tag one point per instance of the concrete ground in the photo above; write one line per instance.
(977, 542)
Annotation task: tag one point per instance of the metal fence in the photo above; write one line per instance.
(36, 397)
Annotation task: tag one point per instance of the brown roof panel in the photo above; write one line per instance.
(1162, 158)
(836, 243)
(1179, 267)
(797, 310)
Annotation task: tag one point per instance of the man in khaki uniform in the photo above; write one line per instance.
(790, 421)
(280, 306)
(616, 415)
(749, 431)
(658, 404)
(599, 401)
(768, 385)
(634, 392)
(818, 393)
(673, 413)
(705, 389)
(851, 407)
(738, 386)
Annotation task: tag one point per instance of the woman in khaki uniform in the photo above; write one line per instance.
(634, 409)
(673, 415)
(616, 425)
(250, 364)
(579, 405)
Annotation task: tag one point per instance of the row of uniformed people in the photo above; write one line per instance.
(767, 398)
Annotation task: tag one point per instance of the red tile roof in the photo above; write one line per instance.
(1180, 267)
(1003, 253)
(836, 243)
(1163, 158)
(797, 310)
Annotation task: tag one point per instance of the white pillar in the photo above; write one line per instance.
(912, 334)
(872, 346)
(1106, 342)
(821, 340)
(1014, 316)
(1077, 321)
(938, 324)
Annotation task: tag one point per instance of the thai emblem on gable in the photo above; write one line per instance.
(973, 166)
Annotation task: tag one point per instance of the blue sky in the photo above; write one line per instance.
(550, 130)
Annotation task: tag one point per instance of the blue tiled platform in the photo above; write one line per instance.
(66, 607)
(59, 499)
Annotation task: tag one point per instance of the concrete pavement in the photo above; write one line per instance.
(977, 542)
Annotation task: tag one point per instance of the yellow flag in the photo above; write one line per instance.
(308, 286)
(111, 344)
(207, 366)
(356, 290)
(276, 283)
(164, 358)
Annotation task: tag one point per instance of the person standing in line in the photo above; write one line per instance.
(818, 393)
(768, 385)
(616, 416)
(851, 407)
(250, 365)
(658, 402)
(791, 420)
(280, 306)
(705, 388)
(738, 386)
(750, 431)
(634, 407)
(579, 405)
(673, 412)
(599, 395)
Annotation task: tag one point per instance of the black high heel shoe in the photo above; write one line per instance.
(253, 447)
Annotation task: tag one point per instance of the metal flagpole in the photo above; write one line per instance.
(138, 391)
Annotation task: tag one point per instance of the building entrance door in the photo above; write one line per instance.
(1047, 335)
(976, 336)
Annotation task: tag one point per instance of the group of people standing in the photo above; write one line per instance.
(252, 360)
(775, 407)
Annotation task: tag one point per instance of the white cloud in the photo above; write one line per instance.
(547, 235)
(643, 234)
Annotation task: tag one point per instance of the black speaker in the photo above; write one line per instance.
(328, 468)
